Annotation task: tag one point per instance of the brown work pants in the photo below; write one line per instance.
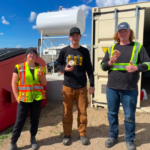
(80, 96)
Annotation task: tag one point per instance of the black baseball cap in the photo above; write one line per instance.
(123, 25)
(74, 30)
(31, 50)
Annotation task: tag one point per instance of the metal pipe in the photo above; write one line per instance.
(45, 44)
(115, 17)
(55, 37)
(52, 53)
(136, 25)
(41, 43)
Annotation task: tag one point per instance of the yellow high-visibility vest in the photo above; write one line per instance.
(134, 58)
(29, 89)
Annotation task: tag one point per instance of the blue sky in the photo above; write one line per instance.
(16, 21)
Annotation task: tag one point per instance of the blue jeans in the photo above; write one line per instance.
(129, 101)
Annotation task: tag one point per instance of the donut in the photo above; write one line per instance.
(71, 63)
(116, 52)
(40, 69)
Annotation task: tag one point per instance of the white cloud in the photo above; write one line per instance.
(85, 35)
(4, 21)
(34, 27)
(1, 33)
(85, 9)
(3, 17)
(12, 15)
(33, 16)
(18, 46)
(107, 3)
(89, 1)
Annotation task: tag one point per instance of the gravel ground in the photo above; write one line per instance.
(50, 132)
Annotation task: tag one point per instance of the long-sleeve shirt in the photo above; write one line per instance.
(123, 80)
(77, 77)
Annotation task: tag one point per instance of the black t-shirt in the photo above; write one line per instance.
(77, 78)
(123, 80)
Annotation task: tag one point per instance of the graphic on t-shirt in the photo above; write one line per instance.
(78, 60)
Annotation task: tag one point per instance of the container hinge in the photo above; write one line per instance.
(94, 99)
(95, 46)
(95, 18)
(95, 73)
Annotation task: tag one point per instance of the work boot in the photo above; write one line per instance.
(67, 140)
(110, 142)
(13, 146)
(130, 146)
(34, 143)
(84, 140)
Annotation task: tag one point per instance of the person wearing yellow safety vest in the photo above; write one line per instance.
(27, 85)
(123, 76)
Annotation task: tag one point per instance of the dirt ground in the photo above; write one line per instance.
(50, 132)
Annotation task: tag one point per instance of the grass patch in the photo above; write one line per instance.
(104, 125)
(56, 133)
(24, 128)
(4, 136)
(60, 134)
(11, 130)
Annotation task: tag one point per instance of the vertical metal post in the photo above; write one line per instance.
(52, 53)
(115, 17)
(41, 43)
(136, 25)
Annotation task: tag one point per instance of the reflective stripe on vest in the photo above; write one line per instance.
(22, 81)
(134, 57)
(102, 66)
(31, 88)
(22, 73)
(23, 96)
(148, 64)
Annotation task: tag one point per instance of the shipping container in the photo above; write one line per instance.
(104, 25)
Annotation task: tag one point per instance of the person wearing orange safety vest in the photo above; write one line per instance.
(123, 76)
(27, 85)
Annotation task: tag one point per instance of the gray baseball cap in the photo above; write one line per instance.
(123, 25)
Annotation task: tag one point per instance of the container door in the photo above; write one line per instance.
(103, 32)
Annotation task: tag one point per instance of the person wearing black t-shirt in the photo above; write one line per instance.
(74, 87)
(123, 76)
